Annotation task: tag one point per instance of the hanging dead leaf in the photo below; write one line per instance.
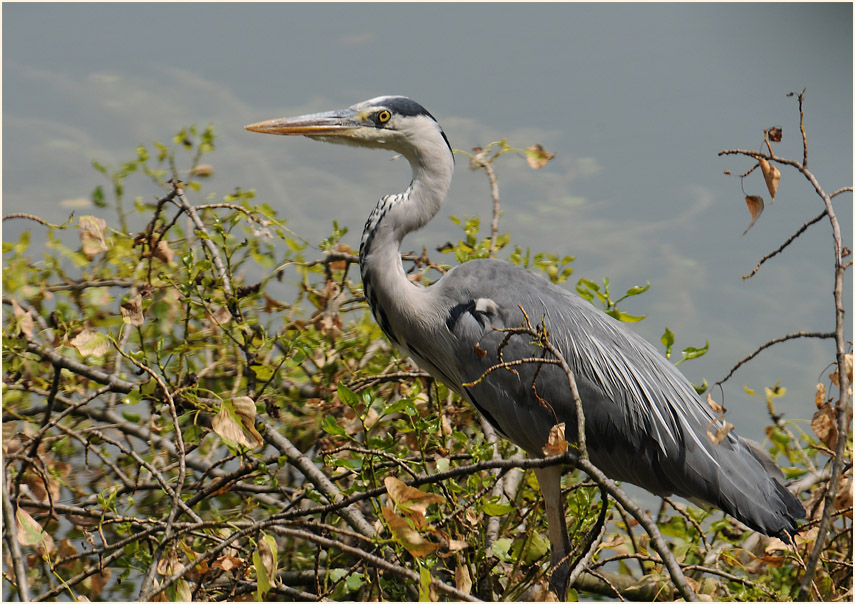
(479, 352)
(91, 343)
(202, 170)
(771, 175)
(132, 312)
(25, 322)
(340, 265)
(169, 565)
(714, 405)
(537, 156)
(411, 501)
(819, 397)
(776, 133)
(272, 305)
(235, 422)
(30, 533)
(843, 499)
(92, 236)
(721, 431)
(221, 316)
(755, 207)
(847, 363)
(556, 444)
(462, 580)
(824, 425)
(407, 536)
(227, 563)
(163, 252)
(267, 551)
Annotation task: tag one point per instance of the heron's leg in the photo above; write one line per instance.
(549, 479)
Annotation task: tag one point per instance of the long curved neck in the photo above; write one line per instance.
(393, 298)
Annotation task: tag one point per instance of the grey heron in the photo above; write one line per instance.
(644, 422)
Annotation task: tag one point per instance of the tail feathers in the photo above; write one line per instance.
(751, 491)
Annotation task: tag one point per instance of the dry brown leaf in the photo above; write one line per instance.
(819, 397)
(267, 553)
(132, 312)
(776, 133)
(721, 432)
(202, 170)
(537, 156)
(479, 352)
(92, 238)
(772, 176)
(824, 425)
(462, 580)
(755, 207)
(411, 501)
(843, 499)
(714, 405)
(237, 425)
(556, 444)
(163, 252)
(221, 316)
(407, 536)
(96, 583)
(91, 343)
(169, 565)
(25, 319)
(227, 563)
(340, 265)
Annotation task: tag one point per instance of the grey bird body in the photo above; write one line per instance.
(644, 422)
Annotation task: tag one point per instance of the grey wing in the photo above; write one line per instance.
(645, 423)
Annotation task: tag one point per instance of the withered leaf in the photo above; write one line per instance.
(132, 312)
(772, 176)
(537, 156)
(755, 207)
(721, 431)
(91, 343)
(819, 397)
(202, 170)
(776, 133)
(340, 265)
(24, 319)
(407, 536)
(480, 352)
(413, 502)
(163, 252)
(824, 425)
(556, 444)
(714, 405)
(462, 580)
(92, 236)
(227, 563)
(235, 422)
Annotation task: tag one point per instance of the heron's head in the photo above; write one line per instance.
(386, 122)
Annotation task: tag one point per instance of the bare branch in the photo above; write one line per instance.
(792, 336)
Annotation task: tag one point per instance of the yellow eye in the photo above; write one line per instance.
(384, 116)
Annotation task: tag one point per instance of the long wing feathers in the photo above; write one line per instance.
(644, 422)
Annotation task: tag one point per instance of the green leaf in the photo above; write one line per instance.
(497, 509)
(347, 396)
(638, 289)
(262, 372)
(668, 342)
(424, 584)
(694, 353)
(330, 425)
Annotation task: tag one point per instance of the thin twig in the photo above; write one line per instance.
(792, 336)
(792, 238)
(11, 535)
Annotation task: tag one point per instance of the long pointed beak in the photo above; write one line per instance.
(329, 123)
